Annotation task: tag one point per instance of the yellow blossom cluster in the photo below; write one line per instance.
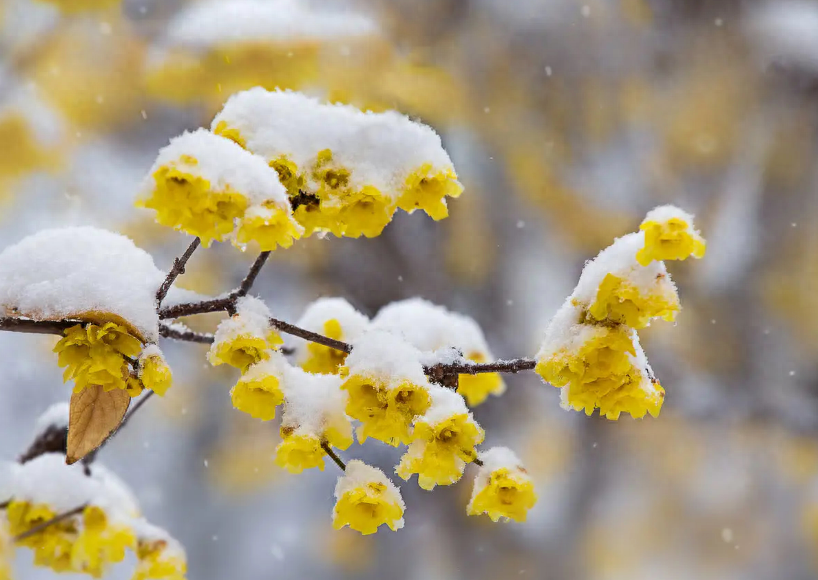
(591, 349)
(502, 488)
(366, 499)
(104, 354)
(209, 187)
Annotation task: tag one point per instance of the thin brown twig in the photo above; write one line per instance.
(186, 335)
(248, 281)
(334, 456)
(5, 504)
(177, 269)
(29, 325)
(294, 330)
(55, 520)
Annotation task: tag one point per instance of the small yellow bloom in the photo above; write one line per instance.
(156, 564)
(323, 359)
(299, 451)
(619, 301)
(53, 545)
(441, 449)
(366, 499)
(258, 392)
(669, 235)
(241, 352)
(385, 411)
(223, 130)
(154, 372)
(603, 373)
(96, 355)
(502, 489)
(270, 226)
(363, 213)
(288, 174)
(100, 543)
(476, 388)
(186, 201)
(245, 338)
(429, 192)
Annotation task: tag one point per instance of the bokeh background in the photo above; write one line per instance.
(567, 120)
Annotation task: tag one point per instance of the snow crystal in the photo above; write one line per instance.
(378, 149)
(358, 474)
(445, 404)
(223, 163)
(498, 458)
(385, 356)
(430, 327)
(81, 273)
(312, 400)
(353, 323)
(215, 22)
(55, 416)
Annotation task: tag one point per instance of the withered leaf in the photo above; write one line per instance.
(93, 414)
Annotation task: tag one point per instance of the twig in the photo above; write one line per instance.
(178, 268)
(5, 504)
(501, 366)
(186, 335)
(55, 520)
(294, 330)
(89, 459)
(334, 456)
(53, 440)
(28, 325)
(248, 281)
(203, 307)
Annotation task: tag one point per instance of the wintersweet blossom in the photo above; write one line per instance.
(258, 391)
(299, 451)
(100, 542)
(154, 372)
(97, 355)
(335, 318)
(443, 441)
(669, 235)
(246, 337)
(502, 488)
(620, 301)
(366, 499)
(52, 546)
(158, 562)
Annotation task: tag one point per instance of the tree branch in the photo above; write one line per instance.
(334, 456)
(294, 330)
(28, 325)
(186, 335)
(178, 268)
(248, 281)
(55, 520)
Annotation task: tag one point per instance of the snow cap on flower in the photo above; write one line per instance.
(332, 317)
(259, 390)
(246, 337)
(502, 487)
(81, 273)
(366, 499)
(202, 183)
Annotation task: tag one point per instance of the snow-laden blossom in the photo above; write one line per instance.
(443, 441)
(502, 488)
(387, 387)
(434, 329)
(154, 371)
(335, 318)
(53, 545)
(203, 184)
(669, 235)
(366, 499)
(246, 337)
(100, 542)
(258, 391)
(313, 415)
(97, 355)
(345, 171)
(598, 367)
(160, 556)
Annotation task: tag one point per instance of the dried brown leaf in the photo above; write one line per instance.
(94, 413)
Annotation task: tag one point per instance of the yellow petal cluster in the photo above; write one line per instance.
(100, 543)
(427, 191)
(270, 226)
(366, 499)
(671, 238)
(156, 564)
(96, 355)
(621, 302)
(258, 391)
(384, 409)
(155, 373)
(476, 388)
(323, 359)
(502, 490)
(299, 451)
(53, 545)
(440, 450)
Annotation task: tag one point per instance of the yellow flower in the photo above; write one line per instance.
(52, 546)
(441, 449)
(385, 411)
(156, 564)
(603, 373)
(154, 372)
(477, 388)
(366, 499)
(362, 213)
(95, 355)
(241, 352)
(288, 174)
(100, 543)
(323, 359)
(224, 130)
(258, 391)
(620, 301)
(269, 225)
(429, 192)
(502, 488)
(669, 235)
(299, 451)
(187, 202)
(245, 338)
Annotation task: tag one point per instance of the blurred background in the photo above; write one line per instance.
(567, 120)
